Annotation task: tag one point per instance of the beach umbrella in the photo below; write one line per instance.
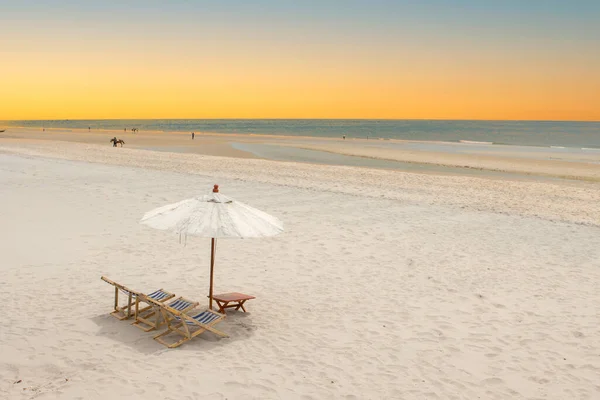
(213, 216)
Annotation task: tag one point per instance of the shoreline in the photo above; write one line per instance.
(475, 193)
(325, 138)
(352, 131)
(458, 158)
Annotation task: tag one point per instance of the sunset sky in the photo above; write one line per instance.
(463, 59)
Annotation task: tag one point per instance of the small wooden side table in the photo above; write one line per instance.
(238, 300)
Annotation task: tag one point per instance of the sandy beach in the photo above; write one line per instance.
(385, 284)
(406, 193)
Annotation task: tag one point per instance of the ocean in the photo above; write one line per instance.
(522, 133)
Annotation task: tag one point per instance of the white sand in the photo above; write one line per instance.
(384, 285)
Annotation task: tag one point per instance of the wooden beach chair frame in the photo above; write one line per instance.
(120, 312)
(154, 319)
(125, 312)
(177, 320)
(139, 298)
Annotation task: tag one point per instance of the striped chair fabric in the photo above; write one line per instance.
(180, 304)
(204, 317)
(159, 295)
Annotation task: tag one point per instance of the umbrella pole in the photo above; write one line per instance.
(212, 267)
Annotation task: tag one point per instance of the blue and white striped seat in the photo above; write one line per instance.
(153, 317)
(189, 325)
(181, 304)
(204, 317)
(159, 295)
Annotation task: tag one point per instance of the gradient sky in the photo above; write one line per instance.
(463, 59)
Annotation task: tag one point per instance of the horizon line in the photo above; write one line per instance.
(305, 119)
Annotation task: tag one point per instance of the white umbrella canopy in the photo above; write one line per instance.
(213, 216)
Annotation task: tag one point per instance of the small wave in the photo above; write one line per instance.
(557, 147)
(590, 148)
(474, 142)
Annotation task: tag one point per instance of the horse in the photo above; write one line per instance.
(116, 141)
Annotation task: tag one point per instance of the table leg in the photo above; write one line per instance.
(241, 305)
(222, 306)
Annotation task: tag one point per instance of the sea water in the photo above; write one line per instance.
(523, 133)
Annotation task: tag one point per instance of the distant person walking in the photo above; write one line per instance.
(193, 134)
(344, 137)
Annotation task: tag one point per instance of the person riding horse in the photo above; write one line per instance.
(116, 141)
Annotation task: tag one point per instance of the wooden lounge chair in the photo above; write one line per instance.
(187, 324)
(125, 312)
(150, 317)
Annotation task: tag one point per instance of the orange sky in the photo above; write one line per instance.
(57, 71)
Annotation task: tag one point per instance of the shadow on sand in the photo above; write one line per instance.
(238, 325)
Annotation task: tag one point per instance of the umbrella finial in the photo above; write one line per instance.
(216, 189)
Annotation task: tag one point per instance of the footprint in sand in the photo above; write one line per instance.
(492, 381)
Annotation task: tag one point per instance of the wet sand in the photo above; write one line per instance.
(493, 161)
